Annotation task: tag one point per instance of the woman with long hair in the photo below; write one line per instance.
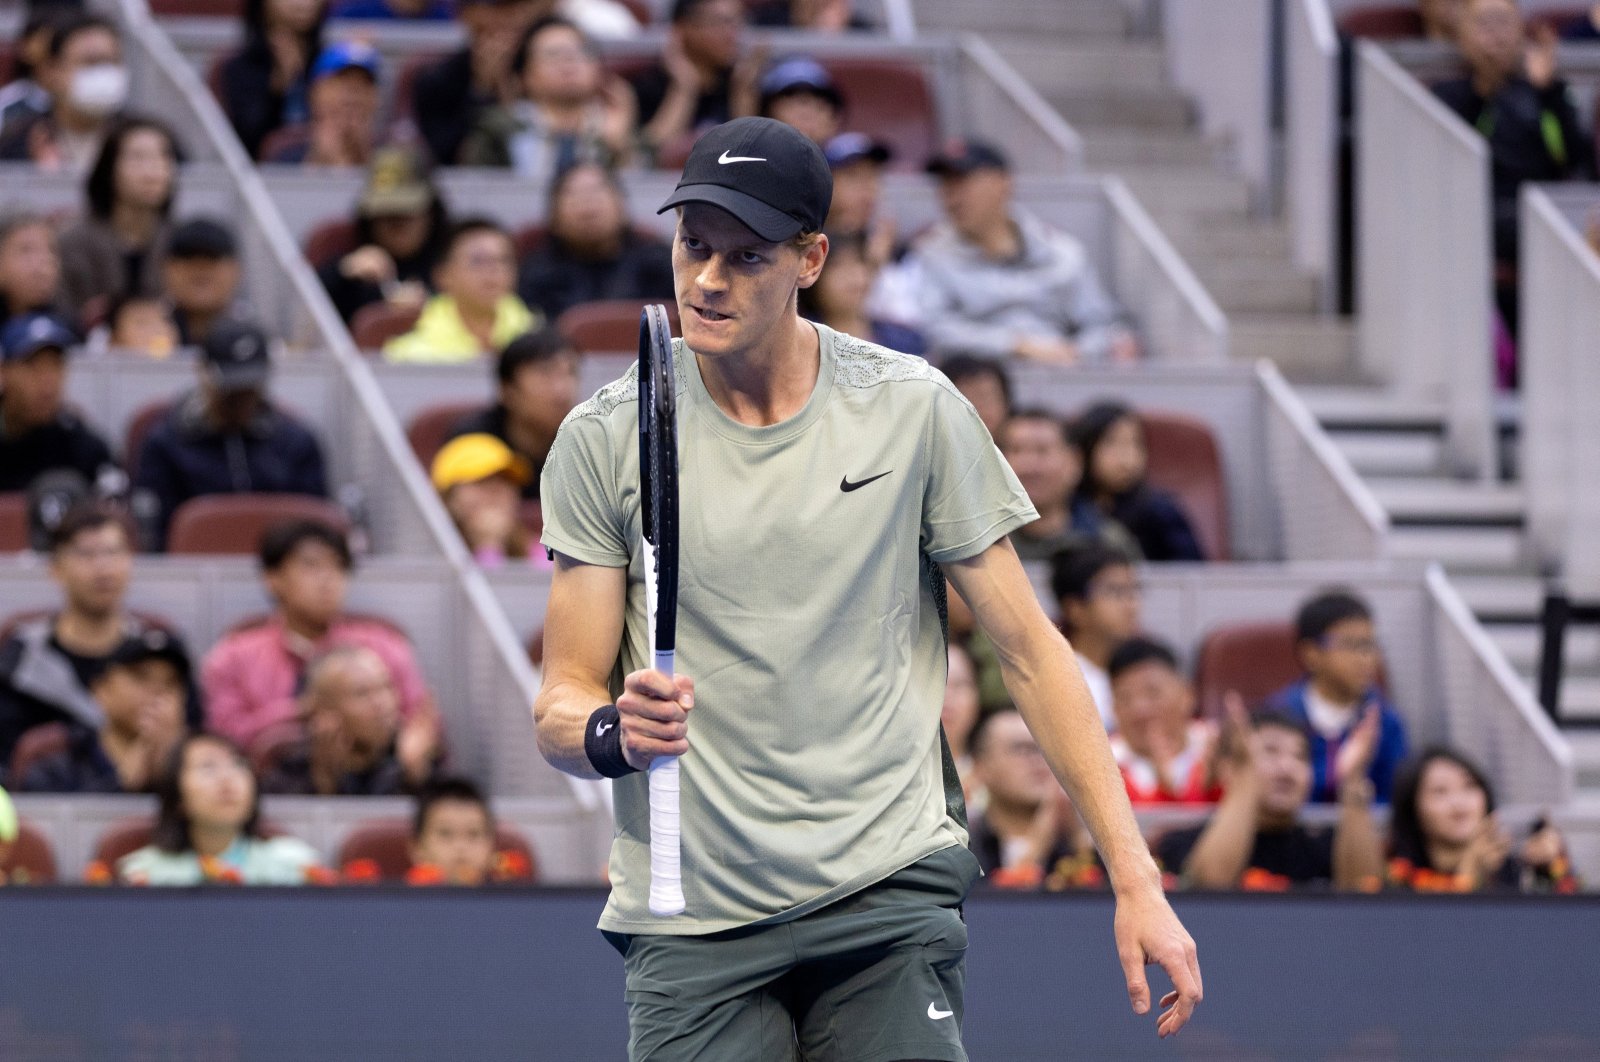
(1115, 461)
(264, 86)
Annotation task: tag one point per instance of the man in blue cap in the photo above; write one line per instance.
(37, 432)
(799, 91)
(343, 101)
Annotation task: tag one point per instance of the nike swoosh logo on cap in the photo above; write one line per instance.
(725, 158)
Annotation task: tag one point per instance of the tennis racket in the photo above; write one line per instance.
(658, 501)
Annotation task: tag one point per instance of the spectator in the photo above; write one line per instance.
(400, 228)
(264, 86)
(701, 80)
(116, 249)
(227, 436)
(591, 251)
(959, 715)
(984, 383)
(1162, 750)
(1338, 647)
(140, 692)
(1041, 451)
(800, 92)
(208, 829)
(341, 127)
(1444, 836)
(481, 482)
(1027, 830)
(88, 86)
(453, 838)
(448, 98)
(1441, 19)
(1255, 840)
(1584, 28)
(812, 16)
(998, 281)
(838, 299)
(476, 311)
(1114, 482)
(30, 266)
(567, 109)
(537, 376)
(252, 676)
(26, 94)
(1514, 98)
(47, 664)
(141, 324)
(394, 10)
(1099, 597)
(38, 433)
(856, 161)
(354, 743)
(200, 277)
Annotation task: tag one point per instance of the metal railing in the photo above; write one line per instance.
(997, 100)
(1311, 149)
(1180, 320)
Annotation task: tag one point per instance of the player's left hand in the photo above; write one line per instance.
(1148, 932)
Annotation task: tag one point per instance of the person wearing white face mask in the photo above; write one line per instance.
(88, 86)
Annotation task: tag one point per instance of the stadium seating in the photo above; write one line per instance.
(1383, 22)
(609, 325)
(122, 838)
(30, 860)
(377, 323)
(37, 743)
(387, 843)
(13, 521)
(203, 8)
(233, 523)
(430, 429)
(139, 426)
(1254, 660)
(1183, 459)
(331, 239)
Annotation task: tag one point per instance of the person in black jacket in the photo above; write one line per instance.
(591, 251)
(538, 382)
(1114, 460)
(264, 86)
(226, 436)
(38, 433)
(448, 99)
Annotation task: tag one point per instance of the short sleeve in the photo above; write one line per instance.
(578, 496)
(972, 498)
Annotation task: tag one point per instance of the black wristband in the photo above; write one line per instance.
(602, 743)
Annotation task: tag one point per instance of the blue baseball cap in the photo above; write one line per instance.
(25, 336)
(846, 148)
(346, 55)
(799, 73)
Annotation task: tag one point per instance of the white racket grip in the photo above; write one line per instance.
(666, 850)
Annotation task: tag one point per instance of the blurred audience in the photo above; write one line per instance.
(838, 299)
(117, 247)
(1441, 19)
(590, 250)
(26, 93)
(1255, 839)
(342, 107)
(354, 743)
(567, 109)
(800, 92)
(30, 266)
(48, 663)
(996, 280)
(856, 161)
(537, 379)
(959, 713)
(252, 676)
(476, 311)
(208, 830)
(1164, 753)
(38, 432)
(1099, 597)
(701, 79)
(394, 10)
(1041, 451)
(200, 278)
(264, 87)
(812, 16)
(453, 840)
(1444, 836)
(400, 223)
(1337, 645)
(87, 85)
(140, 692)
(139, 324)
(1585, 27)
(983, 382)
(1115, 463)
(448, 97)
(481, 482)
(227, 436)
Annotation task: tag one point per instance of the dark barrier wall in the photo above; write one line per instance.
(446, 976)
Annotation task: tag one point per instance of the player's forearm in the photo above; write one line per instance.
(1222, 851)
(1045, 683)
(560, 716)
(1357, 847)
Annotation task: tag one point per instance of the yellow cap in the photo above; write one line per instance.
(469, 458)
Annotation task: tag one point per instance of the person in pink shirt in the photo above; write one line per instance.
(253, 677)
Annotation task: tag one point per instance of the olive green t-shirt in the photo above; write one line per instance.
(810, 615)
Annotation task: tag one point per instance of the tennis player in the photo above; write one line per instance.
(828, 487)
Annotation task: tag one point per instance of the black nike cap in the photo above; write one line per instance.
(763, 172)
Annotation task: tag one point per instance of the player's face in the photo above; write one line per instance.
(1450, 804)
(736, 291)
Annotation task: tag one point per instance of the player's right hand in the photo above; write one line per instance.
(654, 716)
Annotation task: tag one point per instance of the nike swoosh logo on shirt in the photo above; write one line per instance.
(846, 486)
(725, 158)
(935, 1013)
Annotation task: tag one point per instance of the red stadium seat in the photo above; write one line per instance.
(528, 239)
(532, 518)
(608, 326)
(377, 323)
(273, 743)
(387, 843)
(890, 100)
(431, 427)
(123, 837)
(331, 239)
(13, 521)
(233, 523)
(1382, 22)
(1183, 460)
(1254, 659)
(30, 860)
(37, 743)
(198, 8)
(144, 419)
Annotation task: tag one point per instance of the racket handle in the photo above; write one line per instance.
(666, 867)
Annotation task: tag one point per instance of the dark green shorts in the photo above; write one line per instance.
(876, 977)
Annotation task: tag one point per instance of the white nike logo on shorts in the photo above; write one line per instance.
(725, 158)
(935, 1013)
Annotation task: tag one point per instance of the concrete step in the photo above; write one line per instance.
(1148, 109)
(1078, 18)
(1067, 65)
(1371, 407)
(1306, 347)
(1522, 643)
(1501, 597)
(1251, 285)
(1585, 759)
(1580, 703)
(1114, 148)
(1391, 453)
(1464, 548)
(1193, 191)
(1224, 237)
(1438, 500)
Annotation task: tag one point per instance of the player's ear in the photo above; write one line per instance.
(813, 254)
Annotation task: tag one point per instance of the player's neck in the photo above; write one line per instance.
(769, 384)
